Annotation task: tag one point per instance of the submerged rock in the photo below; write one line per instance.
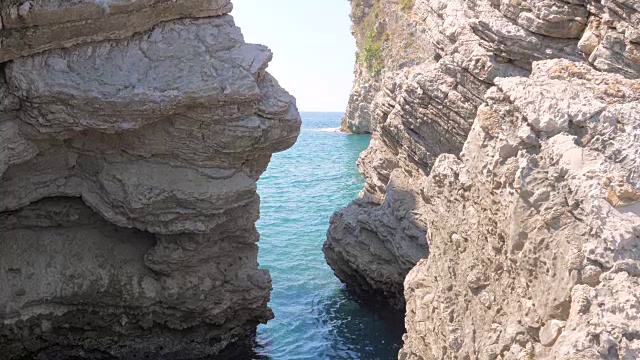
(134, 136)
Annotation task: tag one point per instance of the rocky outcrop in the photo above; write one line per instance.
(373, 247)
(388, 39)
(133, 134)
(537, 256)
(424, 108)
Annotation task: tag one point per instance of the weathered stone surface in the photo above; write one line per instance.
(615, 35)
(380, 23)
(552, 18)
(425, 106)
(550, 331)
(532, 232)
(81, 283)
(15, 149)
(112, 86)
(373, 250)
(527, 228)
(127, 179)
(33, 26)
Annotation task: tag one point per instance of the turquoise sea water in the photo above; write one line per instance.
(316, 318)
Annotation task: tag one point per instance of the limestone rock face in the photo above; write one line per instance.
(424, 104)
(33, 26)
(373, 247)
(534, 232)
(377, 27)
(131, 138)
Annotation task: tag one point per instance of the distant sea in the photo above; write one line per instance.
(316, 318)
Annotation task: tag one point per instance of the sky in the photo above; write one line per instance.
(313, 49)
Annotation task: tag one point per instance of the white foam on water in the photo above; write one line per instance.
(331, 130)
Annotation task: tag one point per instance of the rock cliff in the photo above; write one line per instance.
(538, 254)
(388, 39)
(505, 156)
(132, 135)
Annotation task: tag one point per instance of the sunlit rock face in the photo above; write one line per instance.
(132, 135)
(422, 105)
(534, 231)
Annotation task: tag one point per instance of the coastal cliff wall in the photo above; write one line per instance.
(132, 134)
(388, 39)
(507, 161)
(534, 232)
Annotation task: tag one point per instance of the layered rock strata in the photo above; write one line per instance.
(133, 134)
(426, 106)
(388, 39)
(534, 232)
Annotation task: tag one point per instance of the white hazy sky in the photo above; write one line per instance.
(312, 44)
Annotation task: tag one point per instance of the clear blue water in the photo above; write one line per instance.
(316, 318)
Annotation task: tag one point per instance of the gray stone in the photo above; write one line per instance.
(545, 205)
(372, 250)
(32, 27)
(438, 62)
(550, 331)
(132, 134)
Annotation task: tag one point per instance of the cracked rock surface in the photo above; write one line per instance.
(423, 71)
(538, 254)
(132, 134)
